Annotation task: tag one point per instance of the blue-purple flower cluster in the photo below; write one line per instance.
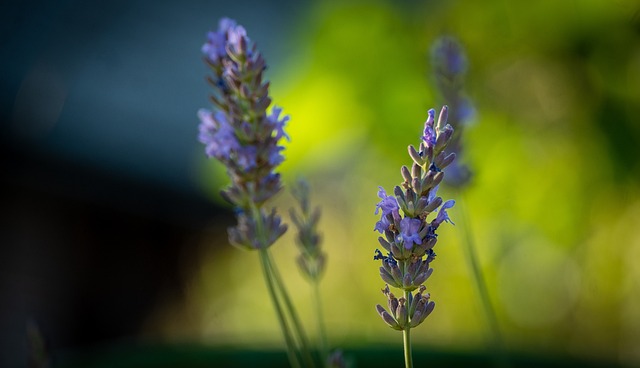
(449, 69)
(408, 235)
(240, 134)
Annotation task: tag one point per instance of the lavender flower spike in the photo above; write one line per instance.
(407, 234)
(241, 135)
(450, 66)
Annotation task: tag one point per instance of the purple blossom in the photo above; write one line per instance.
(448, 56)
(275, 157)
(214, 48)
(278, 124)
(388, 204)
(409, 228)
(383, 224)
(429, 136)
(432, 194)
(247, 157)
(235, 35)
(217, 134)
(443, 216)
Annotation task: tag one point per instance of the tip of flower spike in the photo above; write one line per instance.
(448, 56)
(225, 23)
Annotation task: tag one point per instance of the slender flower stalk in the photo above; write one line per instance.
(246, 140)
(406, 340)
(312, 259)
(409, 238)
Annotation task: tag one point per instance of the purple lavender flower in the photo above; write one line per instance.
(240, 133)
(409, 228)
(450, 66)
(215, 47)
(388, 204)
(278, 123)
(429, 136)
(443, 216)
(237, 35)
(407, 235)
(217, 135)
(448, 56)
(383, 224)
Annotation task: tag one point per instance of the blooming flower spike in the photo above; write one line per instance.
(408, 235)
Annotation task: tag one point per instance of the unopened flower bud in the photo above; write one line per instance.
(421, 278)
(416, 156)
(416, 170)
(428, 311)
(406, 174)
(386, 277)
(444, 137)
(416, 183)
(415, 319)
(448, 160)
(397, 274)
(385, 244)
(437, 178)
(443, 117)
(387, 318)
(406, 281)
(401, 313)
(435, 203)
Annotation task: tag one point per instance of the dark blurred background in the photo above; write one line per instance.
(100, 201)
(112, 231)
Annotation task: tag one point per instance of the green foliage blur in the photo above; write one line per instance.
(553, 202)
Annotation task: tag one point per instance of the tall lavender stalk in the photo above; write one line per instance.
(409, 238)
(245, 139)
(450, 66)
(312, 259)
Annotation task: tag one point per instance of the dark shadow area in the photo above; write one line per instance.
(87, 254)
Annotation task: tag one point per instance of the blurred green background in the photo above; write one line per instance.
(553, 203)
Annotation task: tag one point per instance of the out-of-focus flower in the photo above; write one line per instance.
(450, 66)
(241, 135)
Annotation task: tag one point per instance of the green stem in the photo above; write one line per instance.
(481, 286)
(293, 358)
(406, 339)
(305, 351)
(322, 333)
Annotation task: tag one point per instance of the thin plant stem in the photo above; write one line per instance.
(322, 333)
(305, 350)
(406, 339)
(291, 353)
(481, 286)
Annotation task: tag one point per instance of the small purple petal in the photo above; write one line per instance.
(217, 135)
(429, 136)
(432, 194)
(443, 216)
(225, 24)
(278, 124)
(235, 35)
(388, 204)
(409, 228)
(247, 157)
(382, 225)
(275, 157)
